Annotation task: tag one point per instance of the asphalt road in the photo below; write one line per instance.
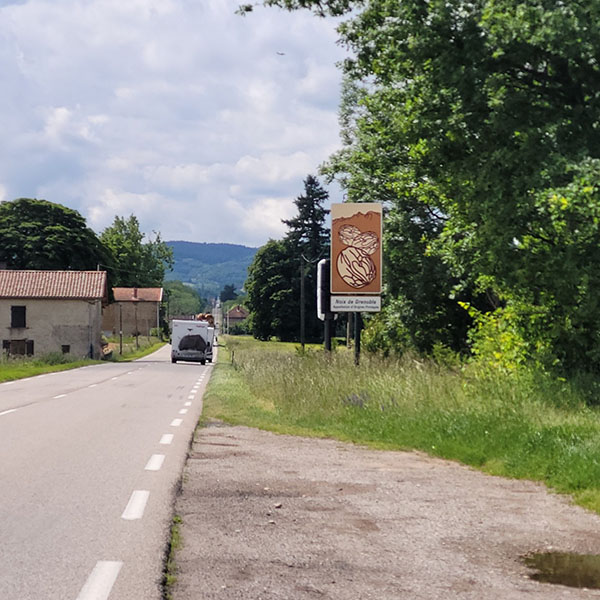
(89, 464)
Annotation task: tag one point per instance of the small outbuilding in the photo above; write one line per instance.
(135, 311)
(52, 311)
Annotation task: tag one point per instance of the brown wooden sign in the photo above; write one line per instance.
(356, 230)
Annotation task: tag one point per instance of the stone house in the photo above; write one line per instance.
(52, 311)
(134, 311)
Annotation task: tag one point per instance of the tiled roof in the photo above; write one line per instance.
(238, 312)
(123, 294)
(53, 284)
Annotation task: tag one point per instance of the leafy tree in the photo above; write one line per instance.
(272, 293)
(37, 234)
(228, 293)
(137, 263)
(183, 299)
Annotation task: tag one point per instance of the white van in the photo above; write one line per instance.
(190, 341)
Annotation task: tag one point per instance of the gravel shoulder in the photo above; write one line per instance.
(275, 517)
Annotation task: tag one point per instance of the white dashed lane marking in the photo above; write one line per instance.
(7, 412)
(101, 580)
(155, 463)
(188, 404)
(183, 411)
(59, 396)
(176, 422)
(166, 439)
(136, 505)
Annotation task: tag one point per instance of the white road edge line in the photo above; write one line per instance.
(101, 580)
(166, 439)
(176, 422)
(7, 412)
(136, 505)
(155, 463)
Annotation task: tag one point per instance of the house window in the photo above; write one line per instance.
(17, 316)
(18, 347)
(66, 348)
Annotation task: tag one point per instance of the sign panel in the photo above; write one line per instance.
(355, 303)
(356, 230)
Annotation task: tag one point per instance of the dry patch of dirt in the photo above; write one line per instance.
(277, 517)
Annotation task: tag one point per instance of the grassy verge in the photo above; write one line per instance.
(19, 368)
(524, 426)
(170, 574)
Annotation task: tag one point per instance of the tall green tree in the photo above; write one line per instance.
(138, 263)
(273, 292)
(37, 234)
(308, 240)
(274, 277)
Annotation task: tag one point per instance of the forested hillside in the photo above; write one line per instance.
(209, 267)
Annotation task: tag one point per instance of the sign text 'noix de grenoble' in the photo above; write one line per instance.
(355, 303)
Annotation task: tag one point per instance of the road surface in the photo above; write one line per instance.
(89, 464)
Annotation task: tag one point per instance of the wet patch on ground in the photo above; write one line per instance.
(565, 568)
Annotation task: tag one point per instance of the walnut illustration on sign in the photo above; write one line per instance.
(354, 263)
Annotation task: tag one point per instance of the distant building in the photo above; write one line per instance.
(134, 311)
(235, 315)
(52, 311)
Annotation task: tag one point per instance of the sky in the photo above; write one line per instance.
(200, 122)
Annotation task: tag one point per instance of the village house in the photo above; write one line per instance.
(52, 311)
(135, 311)
(235, 315)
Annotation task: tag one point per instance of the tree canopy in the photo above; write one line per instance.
(183, 299)
(274, 277)
(136, 263)
(37, 234)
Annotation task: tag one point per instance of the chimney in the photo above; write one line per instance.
(135, 293)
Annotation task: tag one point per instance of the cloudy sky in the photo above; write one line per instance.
(200, 122)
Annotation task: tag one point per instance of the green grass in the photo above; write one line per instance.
(170, 571)
(525, 426)
(19, 368)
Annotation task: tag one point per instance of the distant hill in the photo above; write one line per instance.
(209, 267)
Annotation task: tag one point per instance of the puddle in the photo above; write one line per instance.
(573, 570)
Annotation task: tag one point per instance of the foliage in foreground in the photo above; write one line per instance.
(476, 123)
(526, 425)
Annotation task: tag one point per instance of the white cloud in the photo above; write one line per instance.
(167, 109)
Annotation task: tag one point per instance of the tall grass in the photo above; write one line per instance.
(524, 425)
